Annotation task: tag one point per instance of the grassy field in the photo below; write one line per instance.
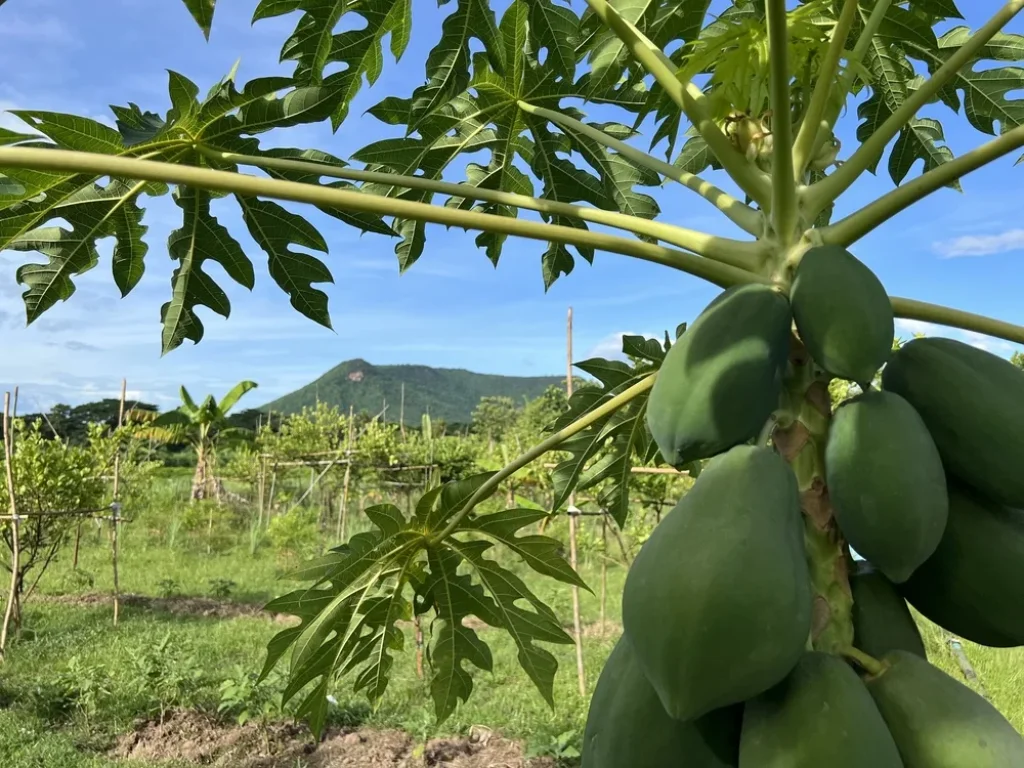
(73, 684)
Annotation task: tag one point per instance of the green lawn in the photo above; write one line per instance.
(73, 683)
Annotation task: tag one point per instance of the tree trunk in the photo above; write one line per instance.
(199, 477)
(800, 437)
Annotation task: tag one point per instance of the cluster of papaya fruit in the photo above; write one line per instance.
(717, 665)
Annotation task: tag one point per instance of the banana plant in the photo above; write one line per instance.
(203, 426)
(751, 97)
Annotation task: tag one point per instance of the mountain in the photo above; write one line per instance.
(446, 393)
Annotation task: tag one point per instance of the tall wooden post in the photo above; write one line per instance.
(401, 412)
(12, 597)
(343, 512)
(115, 507)
(577, 630)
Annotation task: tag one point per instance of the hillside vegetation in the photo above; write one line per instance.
(450, 394)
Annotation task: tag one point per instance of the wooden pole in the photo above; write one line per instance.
(419, 646)
(12, 596)
(14, 405)
(604, 567)
(115, 509)
(577, 631)
(343, 512)
(261, 491)
(401, 412)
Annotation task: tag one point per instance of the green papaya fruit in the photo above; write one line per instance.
(721, 380)
(937, 722)
(886, 482)
(973, 404)
(819, 715)
(974, 583)
(628, 728)
(717, 602)
(842, 313)
(882, 622)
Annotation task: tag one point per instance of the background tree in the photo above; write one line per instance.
(202, 426)
(493, 417)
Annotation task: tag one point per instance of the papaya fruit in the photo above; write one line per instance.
(842, 313)
(937, 722)
(974, 583)
(819, 715)
(717, 602)
(721, 380)
(886, 482)
(628, 728)
(973, 404)
(882, 622)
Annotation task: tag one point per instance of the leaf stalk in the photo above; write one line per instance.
(541, 448)
(806, 136)
(784, 204)
(868, 663)
(912, 309)
(861, 222)
(668, 233)
(253, 186)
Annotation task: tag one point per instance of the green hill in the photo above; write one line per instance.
(446, 393)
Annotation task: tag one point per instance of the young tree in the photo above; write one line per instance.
(203, 427)
(750, 97)
(493, 417)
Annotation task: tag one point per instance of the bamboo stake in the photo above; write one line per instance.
(115, 508)
(577, 632)
(343, 512)
(604, 566)
(401, 413)
(419, 646)
(12, 596)
(273, 484)
(261, 491)
(78, 541)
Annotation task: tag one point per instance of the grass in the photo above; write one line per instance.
(73, 683)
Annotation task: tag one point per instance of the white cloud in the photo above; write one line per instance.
(981, 245)
(975, 339)
(610, 347)
(918, 326)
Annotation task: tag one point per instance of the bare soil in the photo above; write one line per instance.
(177, 606)
(195, 738)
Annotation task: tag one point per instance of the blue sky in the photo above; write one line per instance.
(452, 309)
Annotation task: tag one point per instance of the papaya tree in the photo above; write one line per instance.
(744, 610)
(202, 426)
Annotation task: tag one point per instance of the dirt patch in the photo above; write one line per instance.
(199, 739)
(208, 607)
(602, 629)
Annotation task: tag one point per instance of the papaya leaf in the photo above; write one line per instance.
(202, 12)
(454, 597)
(485, 116)
(200, 238)
(349, 616)
(275, 229)
(606, 452)
(192, 130)
(541, 553)
(986, 89)
(499, 608)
